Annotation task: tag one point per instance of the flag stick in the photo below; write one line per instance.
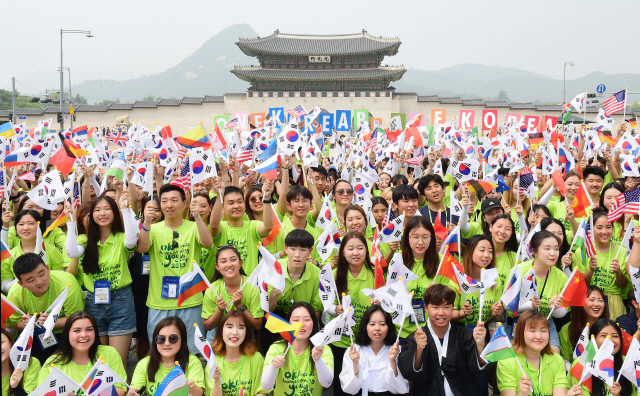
(404, 316)
(584, 119)
(562, 292)
(522, 370)
(287, 350)
(624, 112)
(619, 249)
(446, 249)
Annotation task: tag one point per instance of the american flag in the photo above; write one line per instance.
(30, 175)
(184, 181)
(231, 124)
(625, 203)
(615, 103)
(373, 141)
(76, 196)
(417, 159)
(589, 243)
(119, 138)
(388, 217)
(526, 182)
(247, 152)
(298, 112)
(2, 182)
(181, 151)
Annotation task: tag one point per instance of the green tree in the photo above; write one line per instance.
(22, 102)
(79, 100)
(108, 101)
(635, 106)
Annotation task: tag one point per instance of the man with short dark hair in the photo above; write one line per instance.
(173, 245)
(593, 177)
(36, 289)
(443, 357)
(432, 187)
(405, 200)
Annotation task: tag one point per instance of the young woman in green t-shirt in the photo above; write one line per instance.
(502, 232)
(479, 254)
(15, 381)
(239, 364)
(227, 282)
(601, 330)
(607, 268)
(304, 370)
(79, 349)
(170, 339)
(536, 369)
(111, 237)
(594, 308)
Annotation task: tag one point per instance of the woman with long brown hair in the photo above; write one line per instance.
(237, 358)
(14, 380)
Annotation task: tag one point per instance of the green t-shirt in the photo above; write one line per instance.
(54, 256)
(359, 300)
(296, 377)
(491, 296)
(602, 277)
(245, 239)
(246, 372)
(555, 281)
(194, 372)
(113, 262)
(77, 372)
(311, 228)
(304, 289)
(475, 229)
(504, 264)
(250, 299)
(29, 378)
(566, 349)
(30, 304)
(551, 374)
(166, 261)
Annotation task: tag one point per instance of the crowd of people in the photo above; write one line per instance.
(120, 256)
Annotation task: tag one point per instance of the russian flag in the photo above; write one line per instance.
(452, 241)
(80, 131)
(565, 158)
(5, 253)
(14, 159)
(268, 168)
(511, 295)
(192, 283)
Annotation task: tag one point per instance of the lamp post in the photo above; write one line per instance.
(62, 31)
(564, 81)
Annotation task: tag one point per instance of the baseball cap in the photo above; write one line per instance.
(490, 203)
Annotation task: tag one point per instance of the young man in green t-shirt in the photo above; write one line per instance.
(173, 245)
(244, 235)
(34, 292)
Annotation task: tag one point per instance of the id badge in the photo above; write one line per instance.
(418, 310)
(102, 292)
(45, 343)
(170, 287)
(146, 264)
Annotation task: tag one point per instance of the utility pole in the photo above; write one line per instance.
(13, 99)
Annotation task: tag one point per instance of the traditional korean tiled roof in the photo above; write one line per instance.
(498, 103)
(213, 99)
(453, 100)
(522, 106)
(301, 44)
(473, 102)
(192, 101)
(249, 73)
(429, 98)
(120, 106)
(83, 108)
(169, 102)
(145, 104)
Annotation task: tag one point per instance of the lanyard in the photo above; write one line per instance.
(239, 374)
(295, 370)
(536, 390)
(164, 234)
(545, 283)
(33, 309)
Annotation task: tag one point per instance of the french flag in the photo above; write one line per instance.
(192, 283)
(268, 168)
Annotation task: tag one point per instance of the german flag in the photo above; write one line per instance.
(606, 137)
(535, 139)
(481, 186)
(633, 122)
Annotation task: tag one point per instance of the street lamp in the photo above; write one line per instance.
(564, 79)
(62, 31)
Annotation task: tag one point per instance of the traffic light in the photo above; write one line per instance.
(59, 118)
(74, 118)
(34, 100)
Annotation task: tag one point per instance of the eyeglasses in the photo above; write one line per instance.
(173, 339)
(298, 202)
(344, 192)
(416, 238)
(174, 243)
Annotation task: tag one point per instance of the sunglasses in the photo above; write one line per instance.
(344, 192)
(254, 199)
(174, 243)
(173, 339)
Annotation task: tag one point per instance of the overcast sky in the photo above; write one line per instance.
(142, 37)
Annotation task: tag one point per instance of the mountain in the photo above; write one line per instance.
(481, 81)
(205, 72)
